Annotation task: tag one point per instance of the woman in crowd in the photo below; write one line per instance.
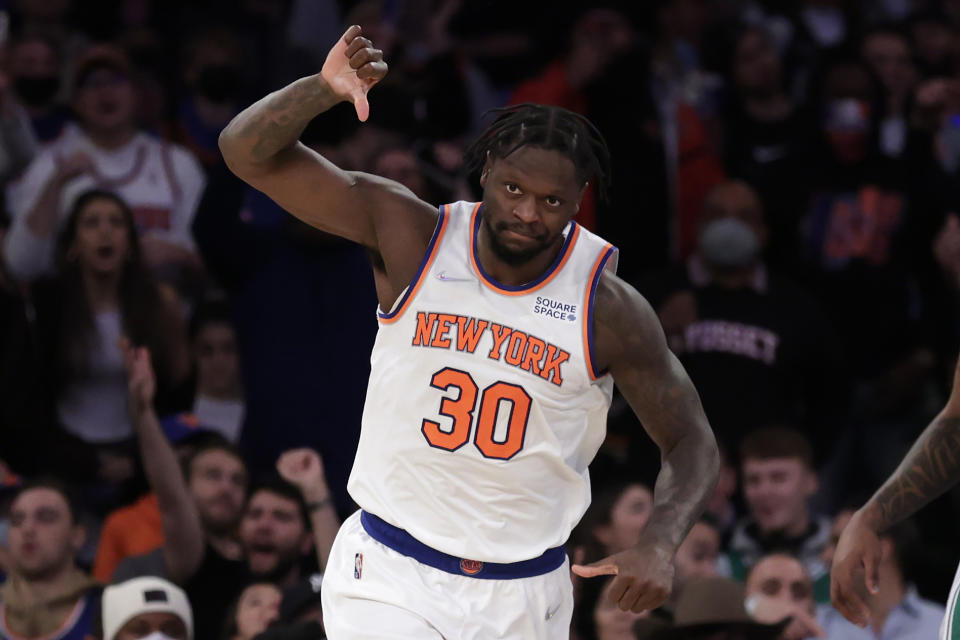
(257, 606)
(100, 292)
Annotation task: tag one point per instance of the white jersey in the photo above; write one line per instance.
(161, 182)
(483, 408)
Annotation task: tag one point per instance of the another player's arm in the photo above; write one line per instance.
(930, 468)
(631, 344)
(261, 146)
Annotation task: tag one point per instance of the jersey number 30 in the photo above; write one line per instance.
(461, 409)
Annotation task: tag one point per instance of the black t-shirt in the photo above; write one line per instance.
(212, 589)
(758, 355)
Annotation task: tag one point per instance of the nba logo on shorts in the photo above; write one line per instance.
(358, 566)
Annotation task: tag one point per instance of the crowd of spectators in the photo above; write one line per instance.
(183, 365)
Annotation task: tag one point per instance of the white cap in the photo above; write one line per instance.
(121, 602)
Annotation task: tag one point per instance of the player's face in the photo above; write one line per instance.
(273, 534)
(43, 538)
(783, 578)
(528, 199)
(836, 530)
(628, 517)
(258, 606)
(102, 242)
(218, 484)
(777, 490)
(697, 556)
(141, 626)
(106, 101)
(218, 368)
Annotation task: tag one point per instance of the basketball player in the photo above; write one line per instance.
(502, 327)
(930, 467)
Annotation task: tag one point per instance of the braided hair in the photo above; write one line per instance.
(545, 127)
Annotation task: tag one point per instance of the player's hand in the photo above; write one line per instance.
(644, 575)
(352, 67)
(858, 552)
(141, 383)
(304, 469)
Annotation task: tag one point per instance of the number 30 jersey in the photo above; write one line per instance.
(484, 407)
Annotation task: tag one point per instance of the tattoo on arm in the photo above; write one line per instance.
(276, 121)
(930, 467)
(661, 394)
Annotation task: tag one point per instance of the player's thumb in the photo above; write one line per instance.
(360, 103)
(599, 568)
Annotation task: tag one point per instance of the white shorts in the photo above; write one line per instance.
(371, 591)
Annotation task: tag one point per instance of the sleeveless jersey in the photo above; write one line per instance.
(483, 408)
(77, 626)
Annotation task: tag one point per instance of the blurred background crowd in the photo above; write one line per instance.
(785, 194)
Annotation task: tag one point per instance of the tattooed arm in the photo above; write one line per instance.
(261, 146)
(930, 468)
(630, 343)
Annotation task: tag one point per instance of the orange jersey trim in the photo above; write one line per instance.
(588, 300)
(411, 292)
(65, 626)
(524, 289)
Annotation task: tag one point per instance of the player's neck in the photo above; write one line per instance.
(511, 274)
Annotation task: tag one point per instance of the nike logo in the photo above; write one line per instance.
(552, 613)
(443, 276)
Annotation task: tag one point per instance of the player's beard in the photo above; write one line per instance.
(514, 257)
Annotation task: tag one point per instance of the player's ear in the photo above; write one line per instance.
(485, 173)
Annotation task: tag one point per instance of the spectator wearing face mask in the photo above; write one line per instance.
(858, 239)
(213, 75)
(161, 182)
(35, 70)
(146, 609)
(758, 349)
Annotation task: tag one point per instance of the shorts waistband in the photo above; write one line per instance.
(402, 542)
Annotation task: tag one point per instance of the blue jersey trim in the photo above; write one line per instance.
(427, 256)
(402, 542)
(567, 245)
(593, 292)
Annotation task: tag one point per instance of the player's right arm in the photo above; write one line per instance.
(260, 145)
(930, 468)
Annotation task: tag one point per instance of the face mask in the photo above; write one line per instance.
(36, 91)
(728, 243)
(219, 83)
(156, 635)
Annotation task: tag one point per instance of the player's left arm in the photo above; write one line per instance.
(629, 341)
